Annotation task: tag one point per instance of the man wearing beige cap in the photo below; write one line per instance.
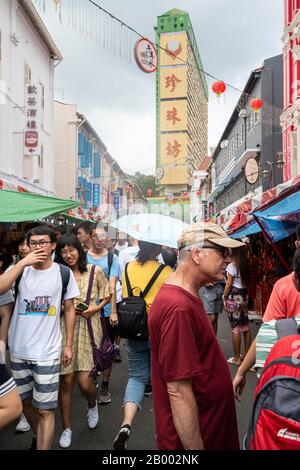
(193, 396)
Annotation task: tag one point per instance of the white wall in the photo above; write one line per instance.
(28, 48)
(65, 150)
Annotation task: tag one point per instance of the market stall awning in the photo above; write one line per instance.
(22, 206)
(281, 218)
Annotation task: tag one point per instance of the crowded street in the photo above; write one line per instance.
(149, 229)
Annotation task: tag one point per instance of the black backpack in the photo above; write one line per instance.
(132, 313)
(65, 276)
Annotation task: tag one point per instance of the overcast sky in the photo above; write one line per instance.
(233, 36)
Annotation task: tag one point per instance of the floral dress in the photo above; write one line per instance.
(82, 350)
(237, 303)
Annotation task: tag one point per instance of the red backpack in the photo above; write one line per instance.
(275, 420)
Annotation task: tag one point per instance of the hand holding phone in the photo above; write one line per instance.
(82, 306)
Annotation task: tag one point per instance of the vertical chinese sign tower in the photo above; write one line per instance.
(181, 103)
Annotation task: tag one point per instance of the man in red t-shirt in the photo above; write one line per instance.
(192, 390)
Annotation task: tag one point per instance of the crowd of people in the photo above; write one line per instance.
(61, 285)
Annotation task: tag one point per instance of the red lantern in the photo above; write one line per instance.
(185, 194)
(218, 87)
(256, 104)
(149, 192)
(199, 193)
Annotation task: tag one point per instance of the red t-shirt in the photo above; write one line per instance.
(284, 301)
(184, 346)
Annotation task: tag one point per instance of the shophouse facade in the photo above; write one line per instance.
(250, 134)
(290, 119)
(28, 56)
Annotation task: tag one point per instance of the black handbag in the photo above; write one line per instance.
(132, 313)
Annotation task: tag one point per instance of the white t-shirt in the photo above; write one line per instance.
(34, 332)
(128, 255)
(237, 282)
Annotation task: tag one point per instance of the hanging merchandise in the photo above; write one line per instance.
(149, 192)
(256, 104)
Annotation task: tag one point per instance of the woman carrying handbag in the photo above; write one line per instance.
(93, 287)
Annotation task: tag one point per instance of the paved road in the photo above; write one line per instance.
(111, 415)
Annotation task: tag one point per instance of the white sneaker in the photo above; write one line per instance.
(65, 438)
(23, 424)
(93, 417)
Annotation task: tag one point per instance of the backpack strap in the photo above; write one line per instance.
(129, 289)
(17, 283)
(286, 327)
(110, 258)
(65, 277)
(152, 280)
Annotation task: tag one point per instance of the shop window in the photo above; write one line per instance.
(294, 162)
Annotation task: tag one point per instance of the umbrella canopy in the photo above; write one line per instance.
(20, 207)
(153, 228)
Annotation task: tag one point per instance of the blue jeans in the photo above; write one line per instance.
(138, 353)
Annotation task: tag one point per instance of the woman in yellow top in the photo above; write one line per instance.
(70, 252)
(139, 272)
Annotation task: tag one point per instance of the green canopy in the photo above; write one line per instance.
(20, 207)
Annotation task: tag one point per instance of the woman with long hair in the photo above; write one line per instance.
(71, 253)
(140, 273)
(236, 302)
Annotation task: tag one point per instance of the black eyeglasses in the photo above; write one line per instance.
(41, 243)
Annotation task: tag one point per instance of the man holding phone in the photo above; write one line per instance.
(34, 336)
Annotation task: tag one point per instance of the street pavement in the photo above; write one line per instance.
(143, 435)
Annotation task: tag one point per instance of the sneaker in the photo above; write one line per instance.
(65, 438)
(121, 441)
(104, 397)
(33, 444)
(23, 425)
(148, 390)
(118, 357)
(93, 417)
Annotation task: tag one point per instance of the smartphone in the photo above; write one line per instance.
(82, 306)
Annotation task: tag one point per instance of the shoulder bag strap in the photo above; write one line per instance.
(88, 298)
(152, 280)
(129, 289)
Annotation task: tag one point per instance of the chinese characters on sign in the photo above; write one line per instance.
(173, 149)
(145, 55)
(172, 115)
(31, 137)
(171, 81)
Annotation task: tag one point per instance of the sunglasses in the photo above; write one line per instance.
(223, 251)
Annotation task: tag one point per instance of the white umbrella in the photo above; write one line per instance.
(153, 228)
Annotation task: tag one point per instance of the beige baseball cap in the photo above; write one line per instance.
(202, 232)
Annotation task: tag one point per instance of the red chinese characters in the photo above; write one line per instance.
(173, 150)
(172, 115)
(171, 81)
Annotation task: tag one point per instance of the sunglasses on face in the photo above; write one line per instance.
(225, 252)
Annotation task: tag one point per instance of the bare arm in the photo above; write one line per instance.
(113, 315)
(228, 286)
(239, 380)
(185, 414)
(93, 309)
(69, 317)
(7, 279)
(5, 316)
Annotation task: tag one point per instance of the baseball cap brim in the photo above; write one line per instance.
(227, 242)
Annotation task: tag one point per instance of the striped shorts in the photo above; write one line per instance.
(38, 380)
(7, 383)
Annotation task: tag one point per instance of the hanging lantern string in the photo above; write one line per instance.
(213, 77)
